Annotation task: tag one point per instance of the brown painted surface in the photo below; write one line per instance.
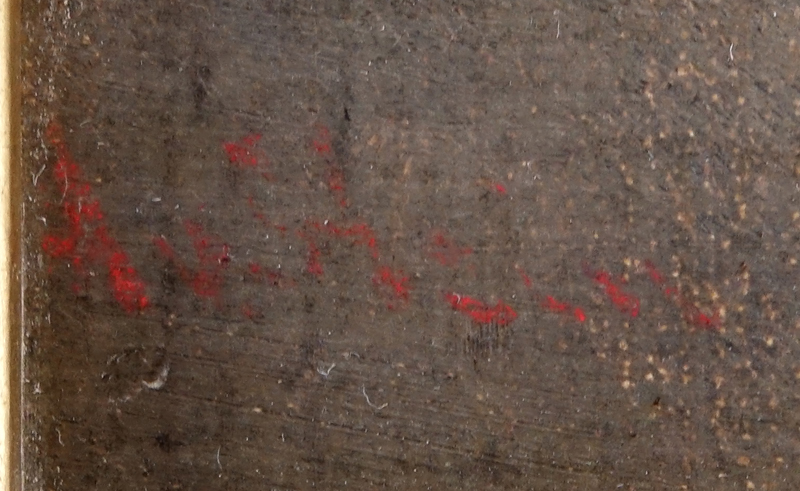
(495, 245)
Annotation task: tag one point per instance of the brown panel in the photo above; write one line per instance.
(413, 245)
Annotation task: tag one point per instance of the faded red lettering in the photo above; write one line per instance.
(690, 312)
(87, 243)
(334, 172)
(501, 314)
(396, 283)
(625, 302)
(205, 280)
(549, 302)
(446, 251)
(244, 153)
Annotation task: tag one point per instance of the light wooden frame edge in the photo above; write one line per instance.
(10, 248)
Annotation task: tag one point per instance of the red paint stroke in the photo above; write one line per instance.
(87, 242)
(550, 303)
(262, 217)
(655, 275)
(244, 152)
(336, 183)
(128, 288)
(323, 145)
(501, 314)
(501, 189)
(274, 277)
(525, 278)
(397, 286)
(623, 301)
(361, 233)
(390, 284)
(553, 305)
(672, 292)
(251, 312)
(164, 248)
(364, 236)
(446, 251)
(690, 312)
(695, 317)
(207, 279)
(313, 264)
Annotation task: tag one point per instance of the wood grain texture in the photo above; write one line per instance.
(484, 245)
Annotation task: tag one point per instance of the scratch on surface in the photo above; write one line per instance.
(160, 380)
(364, 391)
(326, 372)
(38, 175)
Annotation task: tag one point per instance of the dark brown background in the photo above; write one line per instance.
(622, 131)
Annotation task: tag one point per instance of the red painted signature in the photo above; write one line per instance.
(86, 244)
